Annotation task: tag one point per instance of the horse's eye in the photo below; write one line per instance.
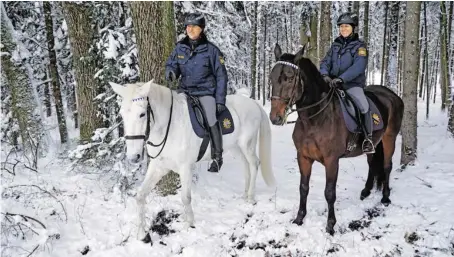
(142, 115)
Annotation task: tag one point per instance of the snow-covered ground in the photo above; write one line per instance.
(100, 221)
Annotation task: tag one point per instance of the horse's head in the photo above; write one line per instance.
(286, 84)
(136, 117)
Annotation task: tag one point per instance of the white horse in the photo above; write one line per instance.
(170, 128)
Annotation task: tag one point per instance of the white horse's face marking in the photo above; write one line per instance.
(133, 110)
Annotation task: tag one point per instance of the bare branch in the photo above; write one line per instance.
(25, 217)
(47, 192)
(33, 251)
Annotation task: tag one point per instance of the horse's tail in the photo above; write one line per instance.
(265, 149)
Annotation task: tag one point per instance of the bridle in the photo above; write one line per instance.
(291, 100)
(147, 131)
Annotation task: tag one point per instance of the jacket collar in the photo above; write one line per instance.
(342, 40)
(200, 46)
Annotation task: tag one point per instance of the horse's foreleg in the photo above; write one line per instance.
(151, 179)
(186, 182)
(332, 168)
(305, 166)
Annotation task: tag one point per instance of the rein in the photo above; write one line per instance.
(147, 132)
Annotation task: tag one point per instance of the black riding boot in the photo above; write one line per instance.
(216, 148)
(368, 145)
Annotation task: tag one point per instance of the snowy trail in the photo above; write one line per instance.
(422, 203)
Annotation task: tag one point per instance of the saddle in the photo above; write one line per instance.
(200, 125)
(352, 115)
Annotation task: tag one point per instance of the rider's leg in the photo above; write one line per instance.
(357, 94)
(209, 106)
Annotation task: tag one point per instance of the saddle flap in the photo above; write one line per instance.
(198, 122)
(351, 113)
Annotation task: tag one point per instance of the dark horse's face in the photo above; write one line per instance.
(285, 83)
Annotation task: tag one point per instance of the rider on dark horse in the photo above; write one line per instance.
(203, 75)
(344, 66)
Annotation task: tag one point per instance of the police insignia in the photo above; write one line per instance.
(226, 123)
(376, 118)
(180, 56)
(221, 60)
(362, 51)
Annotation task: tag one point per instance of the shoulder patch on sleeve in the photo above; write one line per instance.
(221, 59)
(362, 51)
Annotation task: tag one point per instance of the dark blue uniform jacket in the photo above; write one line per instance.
(202, 69)
(347, 59)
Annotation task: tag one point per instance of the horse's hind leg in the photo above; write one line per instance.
(151, 179)
(389, 145)
(248, 150)
(247, 173)
(375, 162)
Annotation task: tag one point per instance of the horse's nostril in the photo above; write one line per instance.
(137, 156)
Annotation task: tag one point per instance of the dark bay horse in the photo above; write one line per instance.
(320, 133)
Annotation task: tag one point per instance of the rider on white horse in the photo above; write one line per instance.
(201, 66)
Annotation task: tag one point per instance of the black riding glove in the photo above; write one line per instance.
(220, 108)
(337, 82)
(171, 76)
(327, 79)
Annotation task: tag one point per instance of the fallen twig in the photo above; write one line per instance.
(45, 191)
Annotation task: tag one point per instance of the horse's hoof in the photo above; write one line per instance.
(364, 194)
(298, 221)
(385, 201)
(330, 230)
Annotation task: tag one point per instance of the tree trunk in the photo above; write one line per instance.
(47, 101)
(264, 59)
(254, 52)
(366, 22)
(426, 63)
(384, 60)
(23, 101)
(154, 47)
(401, 50)
(391, 71)
(445, 89)
(325, 28)
(312, 52)
(81, 32)
(409, 91)
(54, 74)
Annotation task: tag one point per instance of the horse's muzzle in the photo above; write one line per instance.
(277, 120)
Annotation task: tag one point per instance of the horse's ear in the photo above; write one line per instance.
(117, 88)
(300, 54)
(277, 51)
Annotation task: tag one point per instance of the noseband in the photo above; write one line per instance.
(147, 131)
(291, 100)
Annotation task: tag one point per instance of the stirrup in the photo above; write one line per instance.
(365, 150)
(217, 167)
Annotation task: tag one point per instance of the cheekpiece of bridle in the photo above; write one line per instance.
(150, 114)
(291, 100)
(147, 131)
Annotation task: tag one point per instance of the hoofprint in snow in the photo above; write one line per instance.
(101, 221)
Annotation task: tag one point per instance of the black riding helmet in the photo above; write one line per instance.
(195, 19)
(348, 18)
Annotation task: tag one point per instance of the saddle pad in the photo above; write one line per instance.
(351, 120)
(198, 121)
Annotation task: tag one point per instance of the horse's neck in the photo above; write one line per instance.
(311, 96)
(160, 103)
